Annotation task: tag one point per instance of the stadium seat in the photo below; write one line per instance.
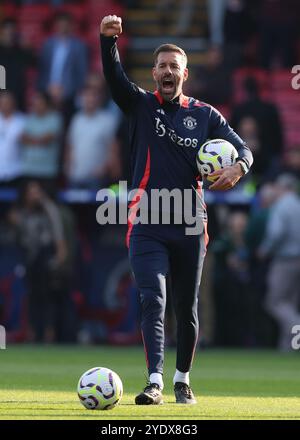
(281, 79)
(103, 7)
(32, 20)
(34, 13)
(288, 103)
(8, 10)
(78, 11)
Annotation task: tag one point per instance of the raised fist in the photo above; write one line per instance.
(111, 25)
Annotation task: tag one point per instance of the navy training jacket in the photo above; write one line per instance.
(165, 137)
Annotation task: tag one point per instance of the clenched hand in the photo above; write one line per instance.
(111, 26)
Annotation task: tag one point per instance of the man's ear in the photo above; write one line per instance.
(154, 73)
(185, 74)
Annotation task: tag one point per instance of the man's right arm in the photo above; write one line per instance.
(124, 92)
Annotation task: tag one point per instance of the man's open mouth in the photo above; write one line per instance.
(168, 84)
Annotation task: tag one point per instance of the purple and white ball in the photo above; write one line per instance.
(100, 388)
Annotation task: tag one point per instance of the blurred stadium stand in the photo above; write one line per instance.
(100, 267)
(148, 31)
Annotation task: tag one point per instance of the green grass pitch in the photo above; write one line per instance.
(40, 383)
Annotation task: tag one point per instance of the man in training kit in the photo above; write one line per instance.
(166, 131)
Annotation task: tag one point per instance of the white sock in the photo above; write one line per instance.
(181, 377)
(157, 378)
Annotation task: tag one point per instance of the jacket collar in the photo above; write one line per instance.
(182, 100)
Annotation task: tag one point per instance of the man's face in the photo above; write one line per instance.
(7, 104)
(8, 33)
(33, 195)
(90, 101)
(169, 73)
(39, 104)
(63, 26)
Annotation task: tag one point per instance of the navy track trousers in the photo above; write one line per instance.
(157, 252)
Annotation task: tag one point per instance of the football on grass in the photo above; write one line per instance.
(214, 155)
(100, 388)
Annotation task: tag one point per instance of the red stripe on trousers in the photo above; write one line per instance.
(134, 205)
(145, 349)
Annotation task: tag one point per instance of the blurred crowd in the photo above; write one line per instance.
(68, 134)
(65, 133)
(256, 269)
(44, 136)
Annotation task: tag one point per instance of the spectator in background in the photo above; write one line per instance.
(96, 82)
(278, 28)
(254, 235)
(216, 11)
(267, 117)
(11, 129)
(63, 65)
(257, 224)
(231, 276)
(249, 131)
(184, 16)
(239, 27)
(91, 159)
(282, 244)
(289, 162)
(231, 25)
(212, 81)
(41, 141)
(8, 230)
(42, 238)
(16, 57)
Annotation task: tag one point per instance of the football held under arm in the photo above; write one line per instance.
(219, 128)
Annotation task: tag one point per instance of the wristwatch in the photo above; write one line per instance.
(243, 165)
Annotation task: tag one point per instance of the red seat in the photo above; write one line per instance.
(281, 79)
(34, 13)
(292, 138)
(78, 12)
(287, 98)
(8, 10)
(100, 8)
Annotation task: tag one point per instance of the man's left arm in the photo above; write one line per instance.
(229, 176)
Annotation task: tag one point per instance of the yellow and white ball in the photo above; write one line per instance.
(100, 388)
(214, 155)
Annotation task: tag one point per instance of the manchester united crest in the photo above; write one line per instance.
(190, 123)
